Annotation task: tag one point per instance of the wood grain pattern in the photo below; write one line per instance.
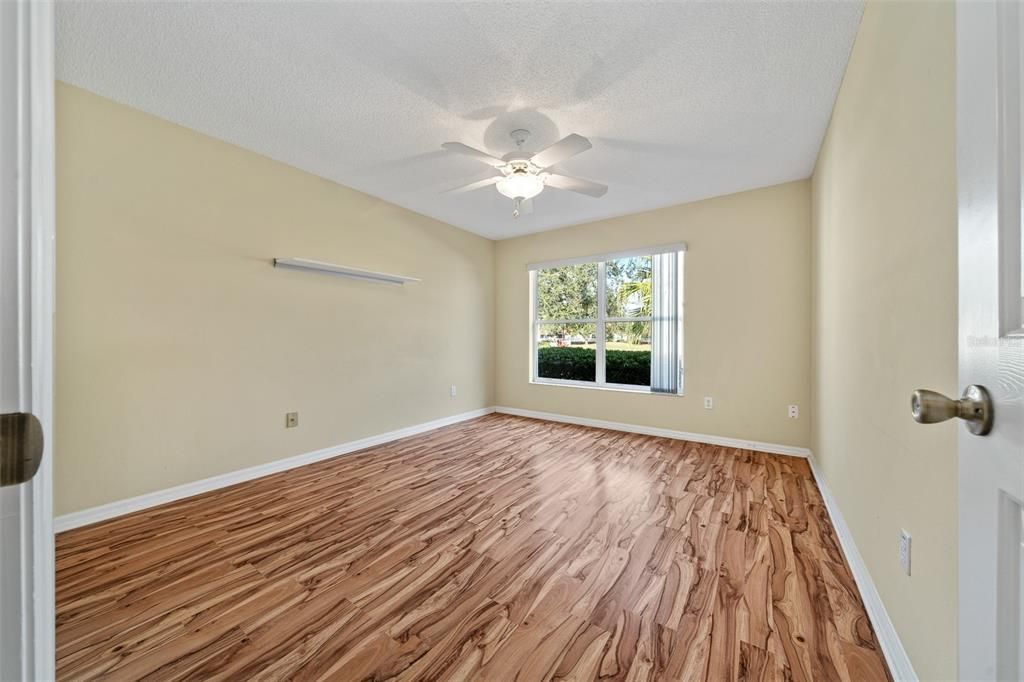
(498, 549)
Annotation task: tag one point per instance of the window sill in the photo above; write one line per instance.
(618, 388)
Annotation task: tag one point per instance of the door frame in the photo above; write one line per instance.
(42, 77)
(29, 39)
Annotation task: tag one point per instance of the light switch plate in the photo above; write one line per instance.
(291, 420)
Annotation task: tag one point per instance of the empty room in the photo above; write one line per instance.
(511, 341)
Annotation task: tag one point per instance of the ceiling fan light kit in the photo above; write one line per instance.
(521, 185)
(524, 177)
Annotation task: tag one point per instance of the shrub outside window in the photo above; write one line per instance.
(611, 321)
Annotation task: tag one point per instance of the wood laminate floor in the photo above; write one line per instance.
(497, 549)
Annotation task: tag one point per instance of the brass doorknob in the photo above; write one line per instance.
(974, 407)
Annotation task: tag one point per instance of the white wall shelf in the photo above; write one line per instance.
(342, 270)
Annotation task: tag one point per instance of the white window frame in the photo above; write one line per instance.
(600, 322)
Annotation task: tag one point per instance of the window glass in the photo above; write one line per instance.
(567, 352)
(628, 287)
(628, 353)
(568, 292)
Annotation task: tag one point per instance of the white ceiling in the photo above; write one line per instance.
(682, 101)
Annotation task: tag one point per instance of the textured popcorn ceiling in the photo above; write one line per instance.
(682, 101)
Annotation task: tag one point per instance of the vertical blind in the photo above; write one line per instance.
(665, 307)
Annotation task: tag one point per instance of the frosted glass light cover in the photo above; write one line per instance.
(521, 186)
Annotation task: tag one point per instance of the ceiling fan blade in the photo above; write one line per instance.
(594, 189)
(570, 145)
(460, 148)
(473, 185)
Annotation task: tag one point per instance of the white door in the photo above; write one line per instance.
(26, 338)
(991, 339)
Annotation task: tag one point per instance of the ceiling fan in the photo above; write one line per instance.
(524, 176)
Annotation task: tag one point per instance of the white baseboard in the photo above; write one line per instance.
(892, 647)
(134, 504)
(770, 448)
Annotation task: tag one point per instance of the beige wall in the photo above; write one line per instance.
(179, 348)
(746, 325)
(884, 205)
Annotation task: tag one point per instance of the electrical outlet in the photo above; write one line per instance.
(291, 420)
(709, 403)
(905, 551)
(455, 390)
(794, 411)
